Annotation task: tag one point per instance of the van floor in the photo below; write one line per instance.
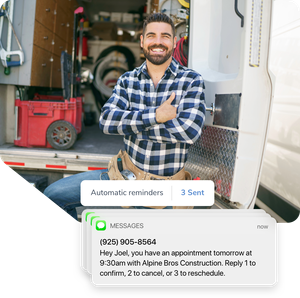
(92, 141)
(95, 141)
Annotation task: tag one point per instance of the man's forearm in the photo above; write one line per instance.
(116, 121)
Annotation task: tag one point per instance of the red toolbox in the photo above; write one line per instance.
(54, 121)
(49, 122)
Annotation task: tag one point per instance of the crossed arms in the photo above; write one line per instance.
(163, 124)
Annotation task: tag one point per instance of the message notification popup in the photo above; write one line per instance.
(147, 193)
(179, 247)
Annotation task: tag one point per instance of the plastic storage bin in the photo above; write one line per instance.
(49, 122)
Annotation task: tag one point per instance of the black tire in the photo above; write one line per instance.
(61, 135)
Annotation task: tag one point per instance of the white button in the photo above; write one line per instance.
(147, 156)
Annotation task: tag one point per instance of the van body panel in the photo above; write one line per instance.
(234, 59)
(281, 166)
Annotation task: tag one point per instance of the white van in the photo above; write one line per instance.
(229, 44)
(279, 186)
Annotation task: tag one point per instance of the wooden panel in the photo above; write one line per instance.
(59, 45)
(70, 27)
(41, 67)
(70, 36)
(44, 13)
(68, 5)
(53, 34)
(43, 37)
(70, 19)
(56, 72)
(69, 48)
(65, 4)
(61, 23)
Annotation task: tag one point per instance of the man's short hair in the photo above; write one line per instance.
(158, 18)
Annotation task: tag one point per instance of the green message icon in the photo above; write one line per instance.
(100, 225)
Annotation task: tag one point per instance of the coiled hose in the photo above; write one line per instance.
(106, 65)
(179, 52)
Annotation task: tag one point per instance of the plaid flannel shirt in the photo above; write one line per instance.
(157, 148)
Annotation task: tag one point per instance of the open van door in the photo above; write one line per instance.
(229, 47)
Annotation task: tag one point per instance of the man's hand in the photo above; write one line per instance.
(166, 111)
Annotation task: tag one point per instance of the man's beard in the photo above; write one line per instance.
(157, 59)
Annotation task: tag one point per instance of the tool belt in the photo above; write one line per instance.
(114, 174)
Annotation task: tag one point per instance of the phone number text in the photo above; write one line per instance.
(116, 242)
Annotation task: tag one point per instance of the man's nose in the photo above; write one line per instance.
(158, 40)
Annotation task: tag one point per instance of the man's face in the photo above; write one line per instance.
(158, 42)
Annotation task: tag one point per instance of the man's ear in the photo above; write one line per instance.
(175, 40)
(141, 37)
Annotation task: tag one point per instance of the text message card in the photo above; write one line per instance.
(179, 247)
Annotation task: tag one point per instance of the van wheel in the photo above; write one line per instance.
(61, 135)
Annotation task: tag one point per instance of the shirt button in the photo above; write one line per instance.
(147, 156)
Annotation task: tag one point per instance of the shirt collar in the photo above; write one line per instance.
(173, 68)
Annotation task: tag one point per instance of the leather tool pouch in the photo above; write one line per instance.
(113, 170)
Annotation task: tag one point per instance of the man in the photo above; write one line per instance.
(159, 108)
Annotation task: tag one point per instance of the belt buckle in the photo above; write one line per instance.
(128, 175)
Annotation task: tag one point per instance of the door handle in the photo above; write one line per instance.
(212, 109)
(238, 13)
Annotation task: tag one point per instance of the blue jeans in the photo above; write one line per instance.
(66, 192)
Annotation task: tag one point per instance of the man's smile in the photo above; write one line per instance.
(158, 49)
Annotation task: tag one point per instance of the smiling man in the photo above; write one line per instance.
(159, 107)
(158, 42)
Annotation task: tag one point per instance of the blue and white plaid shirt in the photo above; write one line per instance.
(157, 148)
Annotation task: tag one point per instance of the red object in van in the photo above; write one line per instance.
(48, 117)
(85, 51)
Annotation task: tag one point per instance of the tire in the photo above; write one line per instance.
(61, 135)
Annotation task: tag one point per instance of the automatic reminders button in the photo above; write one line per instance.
(147, 193)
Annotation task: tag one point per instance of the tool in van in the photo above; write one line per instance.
(10, 15)
(76, 64)
(6, 54)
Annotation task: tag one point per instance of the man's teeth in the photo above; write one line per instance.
(157, 50)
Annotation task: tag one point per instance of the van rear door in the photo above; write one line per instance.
(229, 47)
